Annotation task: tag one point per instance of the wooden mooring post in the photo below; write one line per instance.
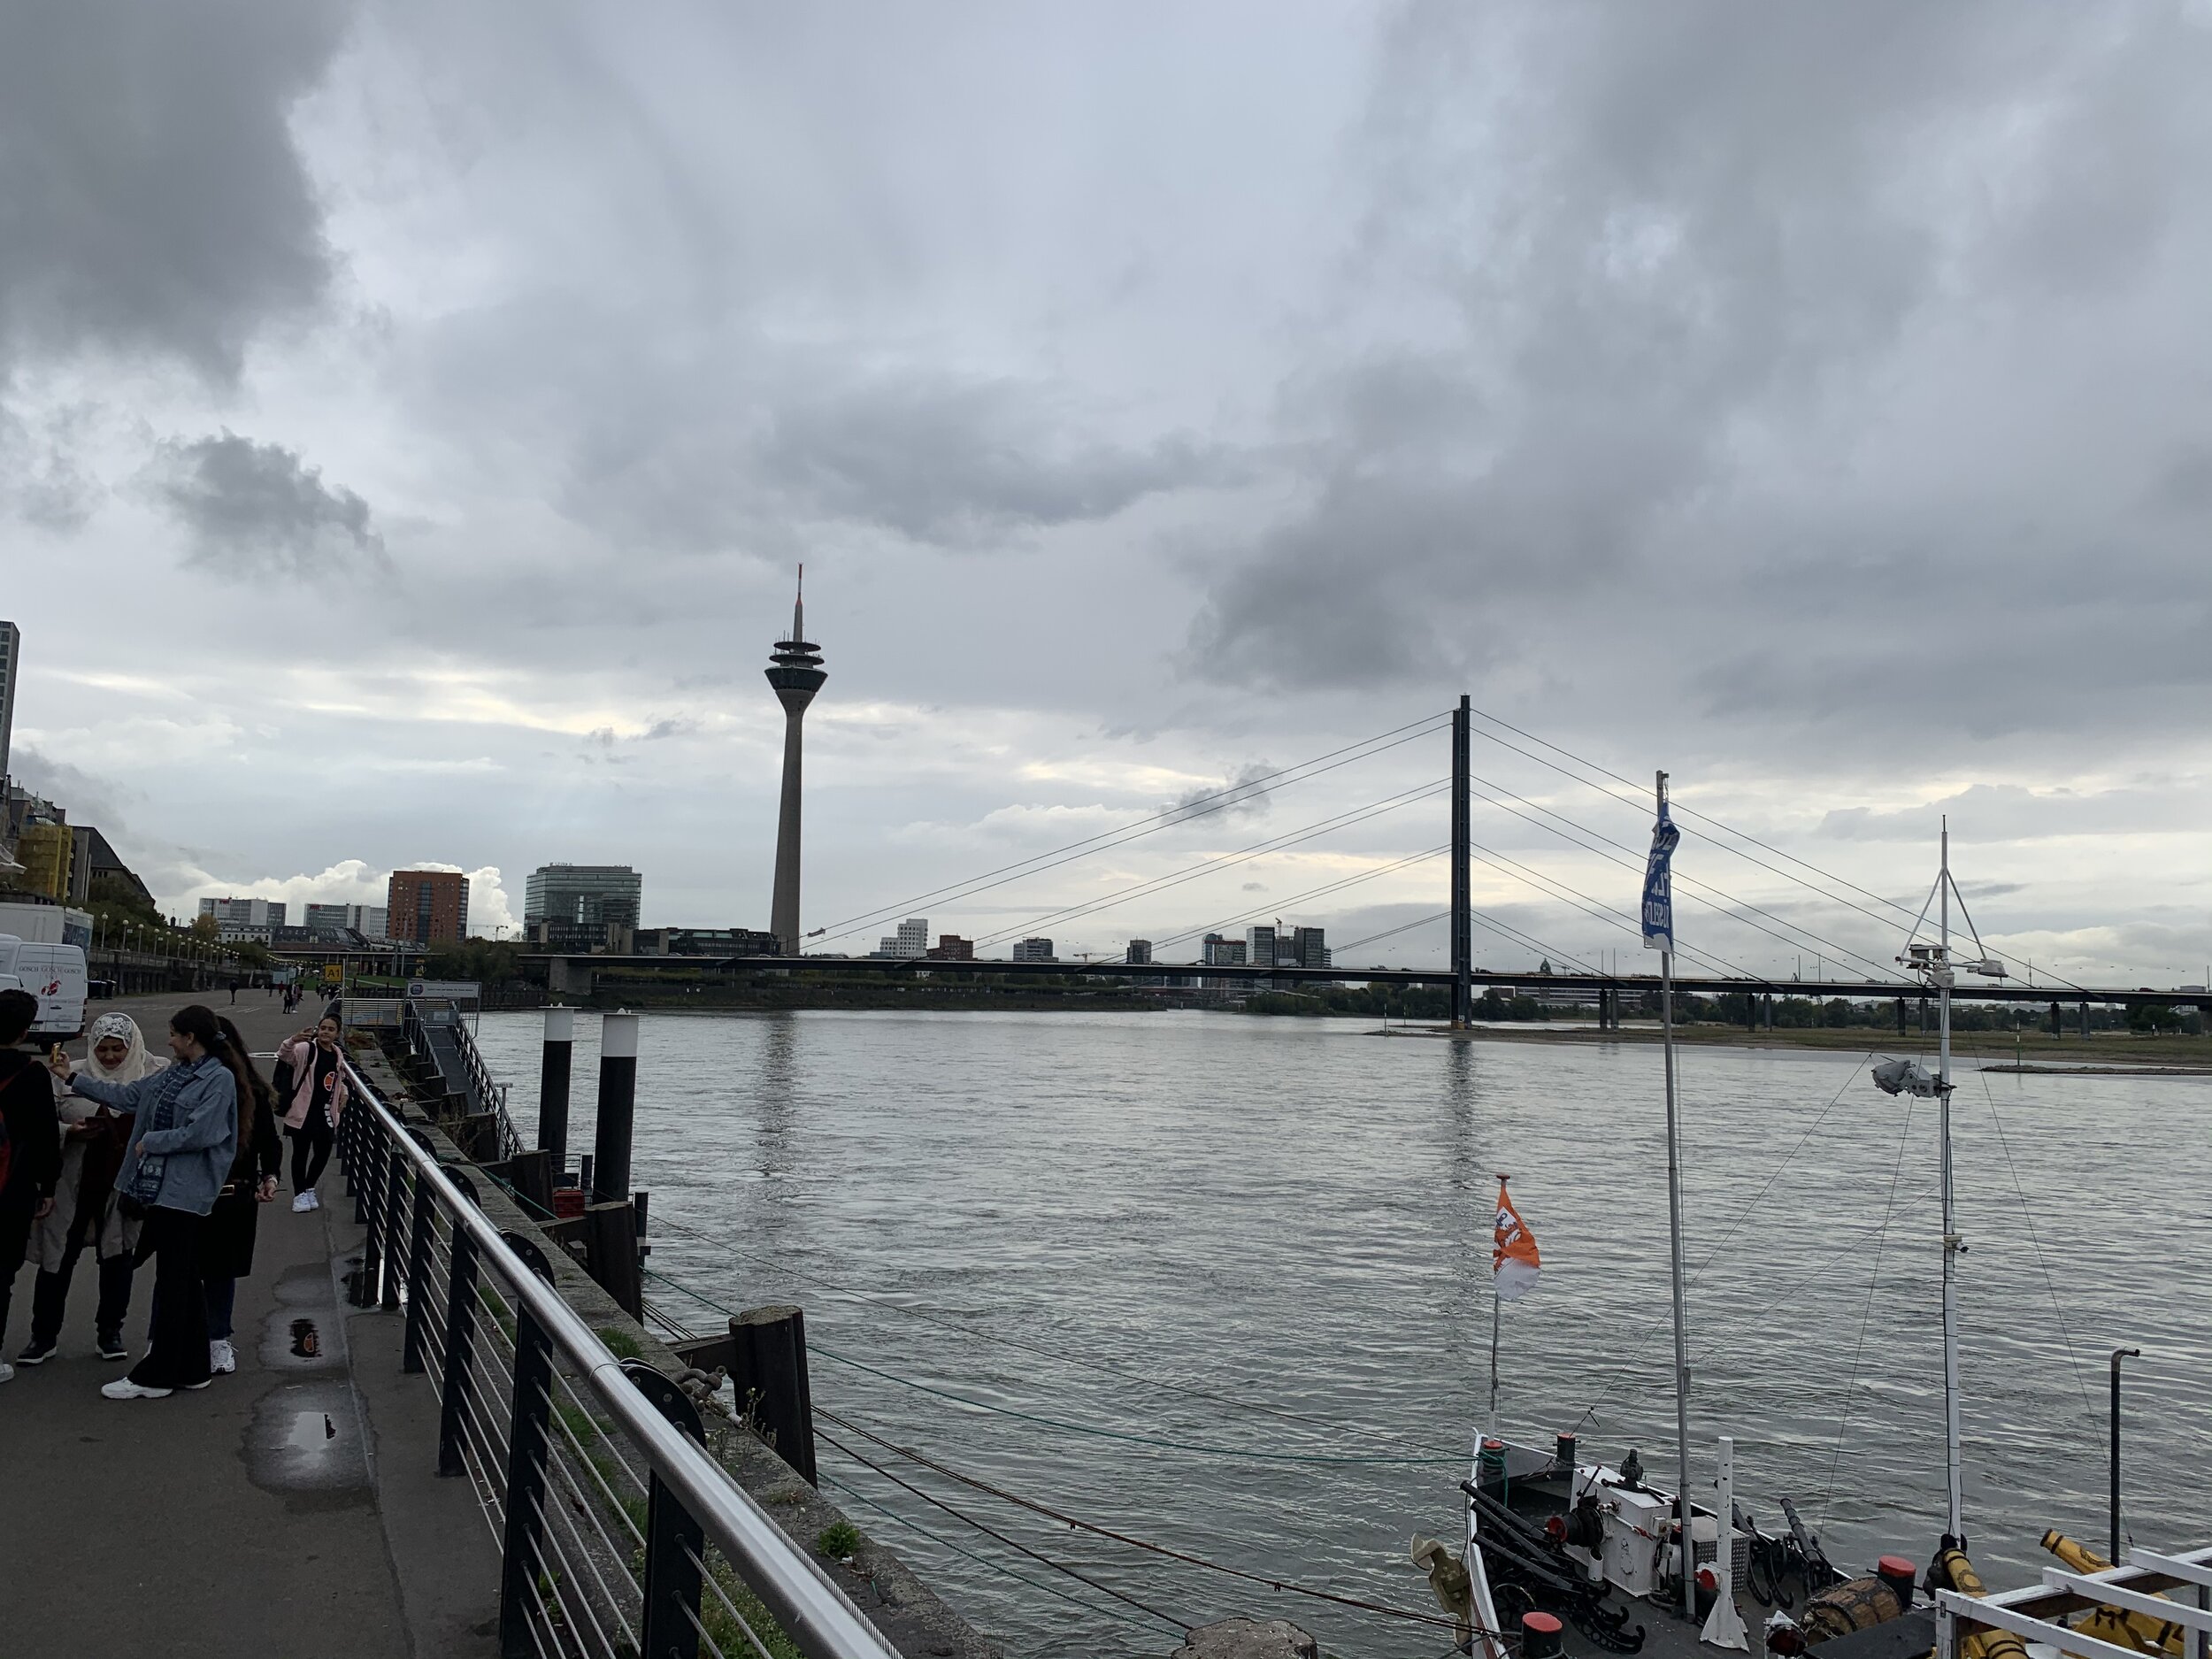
(764, 1354)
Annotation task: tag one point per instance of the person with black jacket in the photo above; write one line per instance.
(31, 1146)
(226, 1243)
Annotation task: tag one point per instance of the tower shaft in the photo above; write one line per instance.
(796, 674)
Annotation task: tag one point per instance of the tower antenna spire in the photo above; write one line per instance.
(798, 608)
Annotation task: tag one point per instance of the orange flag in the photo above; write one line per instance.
(1514, 1263)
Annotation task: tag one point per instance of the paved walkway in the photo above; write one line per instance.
(290, 1509)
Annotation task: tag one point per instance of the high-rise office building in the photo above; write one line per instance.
(572, 907)
(1259, 946)
(953, 948)
(11, 661)
(1302, 947)
(1139, 951)
(1035, 950)
(1222, 953)
(428, 907)
(796, 674)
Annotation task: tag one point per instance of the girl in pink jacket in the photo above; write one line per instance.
(318, 1100)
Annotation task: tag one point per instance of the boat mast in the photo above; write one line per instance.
(1684, 1541)
(1944, 977)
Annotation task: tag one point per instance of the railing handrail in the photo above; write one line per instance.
(805, 1600)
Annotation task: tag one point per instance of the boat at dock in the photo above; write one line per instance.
(1568, 1554)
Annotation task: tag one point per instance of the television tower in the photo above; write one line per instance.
(797, 674)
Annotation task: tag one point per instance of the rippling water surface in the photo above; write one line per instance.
(1222, 1283)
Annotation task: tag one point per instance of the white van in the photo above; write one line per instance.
(55, 974)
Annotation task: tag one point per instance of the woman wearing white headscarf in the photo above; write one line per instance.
(85, 1211)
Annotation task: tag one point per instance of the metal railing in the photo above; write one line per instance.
(417, 1015)
(620, 1534)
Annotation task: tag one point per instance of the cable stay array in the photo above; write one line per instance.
(1770, 919)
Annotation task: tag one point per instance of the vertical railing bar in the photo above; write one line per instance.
(418, 1278)
(460, 1320)
(394, 1202)
(527, 1454)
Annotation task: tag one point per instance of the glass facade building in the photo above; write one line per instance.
(570, 907)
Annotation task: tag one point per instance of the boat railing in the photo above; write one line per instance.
(618, 1533)
(2149, 1582)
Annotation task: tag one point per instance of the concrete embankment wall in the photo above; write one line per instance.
(910, 1614)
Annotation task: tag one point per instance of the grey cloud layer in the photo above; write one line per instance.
(151, 199)
(1776, 348)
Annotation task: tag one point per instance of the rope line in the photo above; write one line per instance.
(1866, 1312)
(1011, 1543)
(976, 1484)
(1092, 1429)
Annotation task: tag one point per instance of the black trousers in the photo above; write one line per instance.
(50, 1297)
(177, 1359)
(15, 1243)
(311, 1149)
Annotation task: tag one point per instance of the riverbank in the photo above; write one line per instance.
(2128, 1054)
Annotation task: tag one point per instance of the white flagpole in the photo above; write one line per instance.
(1683, 1541)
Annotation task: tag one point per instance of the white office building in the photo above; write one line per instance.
(911, 939)
(1035, 950)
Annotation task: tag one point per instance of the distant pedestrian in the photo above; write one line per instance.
(181, 1147)
(318, 1100)
(227, 1246)
(85, 1212)
(30, 1146)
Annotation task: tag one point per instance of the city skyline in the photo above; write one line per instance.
(1845, 458)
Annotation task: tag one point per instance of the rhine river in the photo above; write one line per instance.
(1223, 1283)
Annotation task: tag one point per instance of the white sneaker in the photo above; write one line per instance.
(7, 1371)
(314, 1198)
(124, 1388)
(303, 1200)
(222, 1358)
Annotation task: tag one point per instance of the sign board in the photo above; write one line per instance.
(451, 990)
(334, 972)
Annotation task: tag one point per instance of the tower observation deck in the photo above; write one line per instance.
(795, 672)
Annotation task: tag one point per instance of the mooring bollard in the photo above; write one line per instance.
(553, 1075)
(768, 1373)
(618, 1109)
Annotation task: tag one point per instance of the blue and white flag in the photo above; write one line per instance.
(1659, 886)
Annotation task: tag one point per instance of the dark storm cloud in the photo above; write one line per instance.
(945, 461)
(252, 508)
(151, 197)
(1242, 796)
(1761, 330)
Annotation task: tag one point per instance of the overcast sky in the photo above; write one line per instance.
(414, 415)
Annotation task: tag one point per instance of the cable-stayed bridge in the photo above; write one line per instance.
(1706, 908)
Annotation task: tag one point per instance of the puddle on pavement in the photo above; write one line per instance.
(306, 1437)
(307, 1340)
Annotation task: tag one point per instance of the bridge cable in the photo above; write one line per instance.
(1182, 813)
(1223, 861)
(1683, 811)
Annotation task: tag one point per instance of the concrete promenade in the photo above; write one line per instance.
(290, 1509)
